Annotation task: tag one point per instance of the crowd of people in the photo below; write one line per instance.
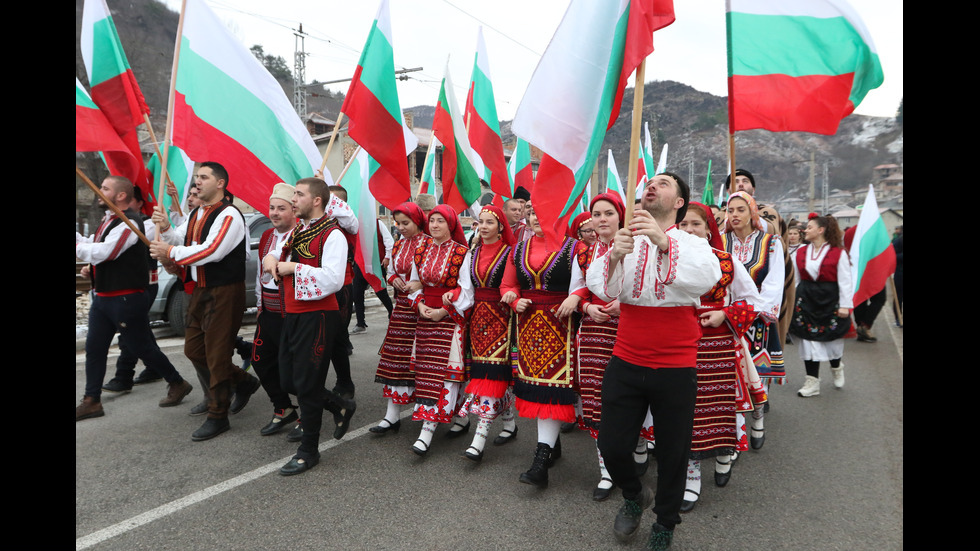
(655, 326)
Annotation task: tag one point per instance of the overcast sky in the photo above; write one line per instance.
(425, 32)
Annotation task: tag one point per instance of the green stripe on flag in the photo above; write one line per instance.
(110, 58)
(483, 101)
(873, 243)
(378, 68)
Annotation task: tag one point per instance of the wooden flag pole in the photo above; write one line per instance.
(635, 138)
(163, 169)
(898, 307)
(336, 130)
(168, 132)
(347, 166)
(731, 157)
(112, 206)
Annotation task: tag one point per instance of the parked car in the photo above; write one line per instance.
(171, 302)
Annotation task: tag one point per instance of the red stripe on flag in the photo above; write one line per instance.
(645, 17)
(442, 128)
(488, 145)
(525, 178)
(374, 129)
(875, 275)
(372, 279)
(553, 186)
(248, 177)
(781, 103)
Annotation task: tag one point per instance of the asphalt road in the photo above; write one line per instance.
(829, 477)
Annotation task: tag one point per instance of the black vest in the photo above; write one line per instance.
(231, 268)
(129, 270)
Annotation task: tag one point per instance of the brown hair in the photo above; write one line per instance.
(832, 233)
(318, 188)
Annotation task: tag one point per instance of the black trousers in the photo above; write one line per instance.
(265, 357)
(670, 393)
(304, 353)
(126, 362)
(866, 312)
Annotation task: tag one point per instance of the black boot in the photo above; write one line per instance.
(555, 453)
(538, 473)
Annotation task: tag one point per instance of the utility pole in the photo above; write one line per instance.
(299, 73)
(809, 205)
(826, 191)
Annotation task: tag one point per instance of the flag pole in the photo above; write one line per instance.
(347, 166)
(165, 176)
(731, 95)
(168, 132)
(336, 130)
(635, 136)
(112, 206)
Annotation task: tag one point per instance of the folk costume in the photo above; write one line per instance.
(654, 358)
(823, 285)
(546, 355)
(398, 348)
(438, 360)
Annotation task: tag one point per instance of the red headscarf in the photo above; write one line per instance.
(714, 238)
(617, 203)
(455, 230)
(506, 234)
(577, 223)
(414, 213)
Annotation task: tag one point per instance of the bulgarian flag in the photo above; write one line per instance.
(519, 169)
(872, 255)
(180, 168)
(228, 109)
(427, 184)
(797, 65)
(575, 96)
(483, 127)
(93, 132)
(460, 182)
(114, 87)
(356, 181)
(613, 183)
(708, 197)
(376, 120)
(662, 167)
(646, 168)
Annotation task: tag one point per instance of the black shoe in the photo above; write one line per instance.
(628, 518)
(200, 409)
(211, 428)
(537, 475)
(420, 448)
(244, 392)
(342, 418)
(757, 441)
(279, 421)
(688, 505)
(298, 465)
(457, 433)
(118, 385)
(641, 468)
(765, 407)
(473, 454)
(244, 349)
(296, 434)
(567, 427)
(555, 453)
(385, 425)
(146, 376)
(505, 437)
(600, 493)
(721, 479)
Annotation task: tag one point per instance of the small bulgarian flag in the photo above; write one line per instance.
(519, 168)
(797, 65)
(872, 254)
(427, 184)
(613, 182)
(460, 182)
(180, 168)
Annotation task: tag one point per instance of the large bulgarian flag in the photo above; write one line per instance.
(797, 65)
(460, 182)
(376, 120)
(356, 181)
(575, 96)
(483, 128)
(228, 108)
(872, 254)
(93, 132)
(114, 87)
(519, 169)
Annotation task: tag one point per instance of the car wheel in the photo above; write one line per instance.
(177, 309)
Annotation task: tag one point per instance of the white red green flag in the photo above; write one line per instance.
(593, 52)
(376, 120)
(427, 184)
(113, 85)
(519, 169)
(662, 165)
(367, 253)
(460, 182)
(180, 168)
(797, 65)
(708, 197)
(229, 109)
(872, 254)
(483, 127)
(93, 132)
(613, 182)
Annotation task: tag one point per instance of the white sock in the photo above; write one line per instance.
(459, 427)
(428, 429)
(606, 480)
(693, 479)
(758, 419)
(640, 452)
(391, 415)
(507, 416)
(548, 431)
(480, 438)
(723, 464)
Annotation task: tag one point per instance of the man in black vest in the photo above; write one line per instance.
(211, 246)
(120, 274)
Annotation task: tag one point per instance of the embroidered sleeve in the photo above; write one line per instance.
(771, 289)
(337, 208)
(666, 268)
(319, 282)
(510, 282)
(607, 286)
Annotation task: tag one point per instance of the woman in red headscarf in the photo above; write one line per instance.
(488, 392)
(395, 368)
(540, 286)
(582, 229)
(442, 304)
(597, 333)
(726, 313)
